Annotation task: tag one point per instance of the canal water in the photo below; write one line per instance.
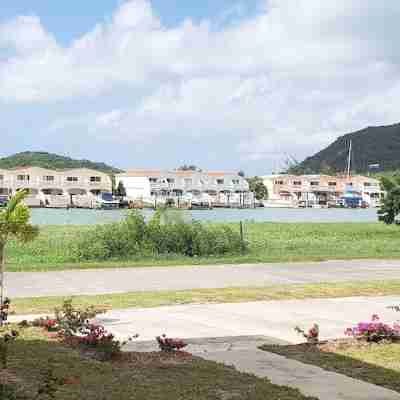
(43, 216)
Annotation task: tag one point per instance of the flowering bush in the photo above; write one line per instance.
(96, 337)
(71, 320)
(170, 344)
(50, 324)
(374, 331)
(312, 335)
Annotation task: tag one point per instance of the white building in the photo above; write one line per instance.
(214, 187)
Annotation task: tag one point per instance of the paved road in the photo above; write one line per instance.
(33, 284)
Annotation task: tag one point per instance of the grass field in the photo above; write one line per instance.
(46, 305)
(268, 242)
(374, 363)
(135, 376)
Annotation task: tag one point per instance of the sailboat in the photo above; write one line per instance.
(350, 198)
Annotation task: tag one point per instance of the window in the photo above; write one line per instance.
(235, 181)
(72, 179)
(153, 180)
(367, 184)
(331, 183)
(279, 182)
(220, 181)
(1, 177)
(23, 177)
(94, 179)
(188, 181)
(48, 178)
(297, 183)
(314, 183)
(170, 180)
(350, 184)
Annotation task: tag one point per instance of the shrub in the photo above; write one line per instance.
(170, 345)
(50, 324)
(160, 236)
(71, 320)
(312, 335)
(374, 331)
(103, 342)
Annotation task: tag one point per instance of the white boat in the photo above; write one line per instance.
(279, 204)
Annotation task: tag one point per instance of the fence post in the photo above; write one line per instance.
(241, 238)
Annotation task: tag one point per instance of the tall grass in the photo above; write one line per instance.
(56, 246)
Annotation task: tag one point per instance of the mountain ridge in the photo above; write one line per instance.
(52, 161)
(370, 146)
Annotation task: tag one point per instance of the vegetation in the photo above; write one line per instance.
(373, 145)
(133, 237)
(45, 305)
(370, 362)
(14, 222)
(55, 247)
(257, 186)
(120, 191)
(390, 208)
(52, 161)
(39, 362)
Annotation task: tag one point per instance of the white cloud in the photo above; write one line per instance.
(287, 80)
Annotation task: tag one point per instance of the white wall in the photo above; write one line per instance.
(136, 187)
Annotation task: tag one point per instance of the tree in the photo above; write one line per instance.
(121, 191)
(257, 186)
(390, 208)
(14, 223)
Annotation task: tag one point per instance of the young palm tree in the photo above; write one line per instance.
(14, 222)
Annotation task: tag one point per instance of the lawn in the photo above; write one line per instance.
(374, 363)
(46, 305)
(133, 376)
(268, 242)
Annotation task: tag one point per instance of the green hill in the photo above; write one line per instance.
(52, 161)
(373, 145)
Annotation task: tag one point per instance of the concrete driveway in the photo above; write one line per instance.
(273, 319)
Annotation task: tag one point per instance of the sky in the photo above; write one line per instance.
(222, 84)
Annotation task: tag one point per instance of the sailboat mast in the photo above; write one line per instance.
(349, 161)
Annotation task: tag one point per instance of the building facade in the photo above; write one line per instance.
(323, 190)
(53, 187)
(213, 187)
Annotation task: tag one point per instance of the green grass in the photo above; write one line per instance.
(134, 376)
(43, 305)
(268, 242)
(374, 363)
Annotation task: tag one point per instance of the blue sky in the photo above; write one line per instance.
(72, 18)
(224, 84)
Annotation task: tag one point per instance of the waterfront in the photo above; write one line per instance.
(44, 216)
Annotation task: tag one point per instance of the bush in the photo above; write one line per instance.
(104, 343)
(160, 236)
(170, 345)
(71, 321)
(374, 331)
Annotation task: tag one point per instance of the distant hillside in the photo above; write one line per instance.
(373, 145)
(52, 161)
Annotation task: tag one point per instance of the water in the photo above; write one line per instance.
(44, 216)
